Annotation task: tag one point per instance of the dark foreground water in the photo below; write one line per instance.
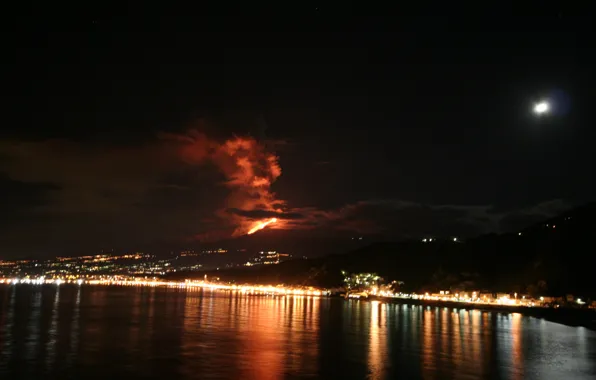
(156, 333)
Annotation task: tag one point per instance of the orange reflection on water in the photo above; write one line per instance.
(465, 337)
(6, 324)
(135, 317)
(250, 337)
(304, 336)
(476, 336)
(377, 345)
(467, 356)
(428, 352)
(53, 331)
(451, 343)
(456, 353)
(517, 357)
(74, 327)
(263, 342)
(444, 318)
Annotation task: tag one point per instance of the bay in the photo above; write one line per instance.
(88, 332)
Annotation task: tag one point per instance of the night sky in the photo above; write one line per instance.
(158, 129)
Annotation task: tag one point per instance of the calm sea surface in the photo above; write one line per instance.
(72, 332)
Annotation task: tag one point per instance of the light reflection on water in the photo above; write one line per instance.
(96, 332)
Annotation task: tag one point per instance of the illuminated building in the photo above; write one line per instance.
(268, 257)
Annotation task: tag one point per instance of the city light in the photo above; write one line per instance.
(357, 286)
(279, 290)
(371, 286)
(146, 270)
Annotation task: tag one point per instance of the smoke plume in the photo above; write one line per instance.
(249, 171)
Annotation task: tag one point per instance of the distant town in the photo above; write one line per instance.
(143, 269)
(365, 285)
(542, 266)
(129, 265)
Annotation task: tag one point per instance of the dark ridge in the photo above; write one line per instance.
(553, 257)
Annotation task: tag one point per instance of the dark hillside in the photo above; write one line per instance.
(552, 257)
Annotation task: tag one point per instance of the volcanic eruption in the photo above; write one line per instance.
(261, 225)
(249, 171)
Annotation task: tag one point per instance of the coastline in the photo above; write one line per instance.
(566, 316)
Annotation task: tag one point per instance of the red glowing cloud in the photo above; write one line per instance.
(249, 170)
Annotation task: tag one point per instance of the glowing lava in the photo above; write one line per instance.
(261, 225)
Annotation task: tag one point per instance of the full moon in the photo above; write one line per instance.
(541, 108)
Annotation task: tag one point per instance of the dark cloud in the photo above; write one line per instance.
(68, 193)
(85, 178)
(73, 197)
(405, 219)
(401, 218)
(263, 214)
(60, 195)
(518, 219)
